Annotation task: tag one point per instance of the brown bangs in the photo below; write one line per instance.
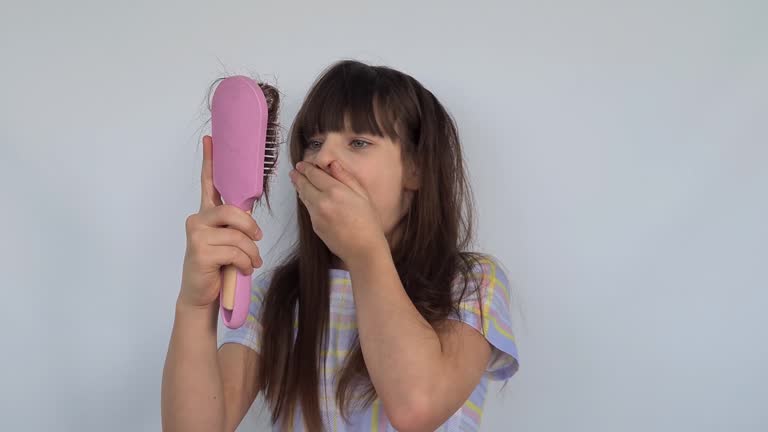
(349, 97)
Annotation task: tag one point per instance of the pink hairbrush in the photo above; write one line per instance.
(244, 132)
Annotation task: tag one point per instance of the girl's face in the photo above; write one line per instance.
(377, 164)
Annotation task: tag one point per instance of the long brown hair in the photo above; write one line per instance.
(431, 252)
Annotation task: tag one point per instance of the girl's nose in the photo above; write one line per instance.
(326, 154)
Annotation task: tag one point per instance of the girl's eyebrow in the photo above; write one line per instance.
(345, 133)
(363, 135)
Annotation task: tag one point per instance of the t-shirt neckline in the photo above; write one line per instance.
(339, 272)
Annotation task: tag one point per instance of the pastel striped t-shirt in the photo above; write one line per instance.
(496, 327)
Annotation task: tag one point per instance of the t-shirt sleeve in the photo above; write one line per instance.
(249, 334)
(496, 325)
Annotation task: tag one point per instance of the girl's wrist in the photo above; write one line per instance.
(197, 324)
(196, 311)
(375, 252)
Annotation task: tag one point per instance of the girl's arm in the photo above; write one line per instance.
(202, 389)
(421, 376)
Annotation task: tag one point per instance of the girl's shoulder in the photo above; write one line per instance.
(260, 283)
(485, 303)
(484, 270)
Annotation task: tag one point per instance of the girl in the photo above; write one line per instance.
(379, 319)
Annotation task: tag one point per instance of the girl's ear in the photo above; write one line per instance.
(411, 175)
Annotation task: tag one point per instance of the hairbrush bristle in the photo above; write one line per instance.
(272, 142)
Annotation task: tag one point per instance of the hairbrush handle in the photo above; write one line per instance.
(229, 275)
(234, 296)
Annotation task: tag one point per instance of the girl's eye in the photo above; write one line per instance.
(356, 144)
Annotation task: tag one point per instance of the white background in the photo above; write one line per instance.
(617, 151)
